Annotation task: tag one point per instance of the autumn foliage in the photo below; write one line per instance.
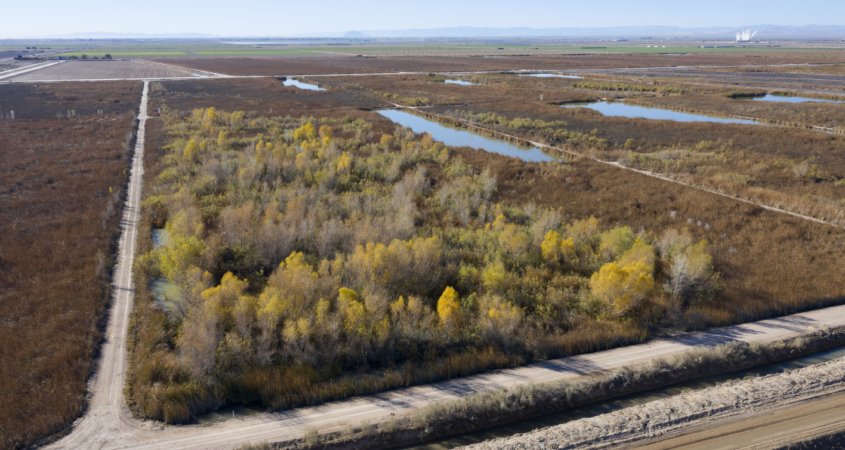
(318, 259)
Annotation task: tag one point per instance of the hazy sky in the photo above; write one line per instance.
(289, 18)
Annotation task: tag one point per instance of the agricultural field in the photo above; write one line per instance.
(275, 48)
(104, 70)
(61, 188)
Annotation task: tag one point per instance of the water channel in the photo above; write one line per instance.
(618, 109)
(462, 138)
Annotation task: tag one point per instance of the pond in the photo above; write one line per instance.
(461, 82)
(553, 75)
(293, 82)
(790, 99)
(463, 138)
(617, 109)
(159, 237)
(165, 293)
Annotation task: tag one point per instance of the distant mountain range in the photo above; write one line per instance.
(766, 32)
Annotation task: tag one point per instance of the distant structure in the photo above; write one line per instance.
(746, 35)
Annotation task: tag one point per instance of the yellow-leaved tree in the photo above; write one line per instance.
(189, 153)
(306, 132)
(625, 285)
(449, 307)
(550, 247)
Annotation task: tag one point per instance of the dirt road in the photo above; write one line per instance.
(771, 429)
(759, 412)
(107, 412)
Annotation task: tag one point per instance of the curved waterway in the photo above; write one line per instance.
(462, 138)
(627, 401)
(617, 109)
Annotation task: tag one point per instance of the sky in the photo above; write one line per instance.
(309, 17)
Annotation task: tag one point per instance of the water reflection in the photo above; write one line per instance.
(461, 82)
(292, 82)
(552, 75)
(618, 109)
(789, 99)
(463, 138)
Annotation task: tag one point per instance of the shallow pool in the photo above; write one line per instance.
(789, 99)
(462, 138)
(617, 109)
(552, 75)
(461, 82)
(292, 82)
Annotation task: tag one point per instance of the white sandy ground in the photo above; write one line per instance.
(710, 406)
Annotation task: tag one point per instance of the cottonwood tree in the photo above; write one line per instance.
(689, 264)
(625, 285)
(197, 342)
(449, 308)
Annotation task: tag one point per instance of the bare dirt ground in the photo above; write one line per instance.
(793, 424)
(763, 412)
(9, 69)
(104, 70)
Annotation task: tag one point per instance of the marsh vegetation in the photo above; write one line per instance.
(318, 258)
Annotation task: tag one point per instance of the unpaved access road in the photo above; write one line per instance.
(770, 429)
(12, 73)
(759, 412)
(108, 423)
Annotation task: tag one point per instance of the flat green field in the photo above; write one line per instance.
(217, 49)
